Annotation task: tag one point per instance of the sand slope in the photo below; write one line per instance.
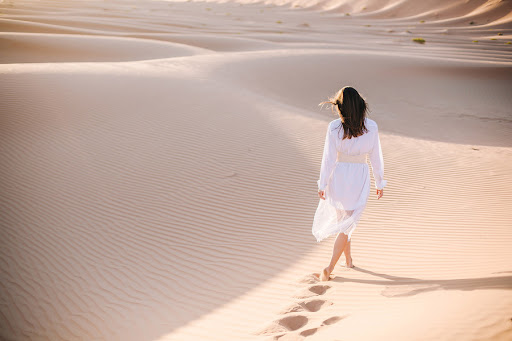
(158, 166)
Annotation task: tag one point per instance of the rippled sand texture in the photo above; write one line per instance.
(158, 166)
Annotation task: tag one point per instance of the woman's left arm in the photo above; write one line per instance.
(328, 158)
(377, 162)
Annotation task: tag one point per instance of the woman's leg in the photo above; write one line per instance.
(339, 245)
(348, 255)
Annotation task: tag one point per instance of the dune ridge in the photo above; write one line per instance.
(159, 163)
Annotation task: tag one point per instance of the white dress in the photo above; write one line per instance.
(346, 180)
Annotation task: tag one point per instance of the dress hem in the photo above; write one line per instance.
(327, 235)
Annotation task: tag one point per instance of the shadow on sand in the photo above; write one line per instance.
(397, 286)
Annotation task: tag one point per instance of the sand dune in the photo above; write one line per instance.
(159, 163)
(43, 48)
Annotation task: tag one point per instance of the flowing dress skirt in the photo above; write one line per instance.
(346, 196)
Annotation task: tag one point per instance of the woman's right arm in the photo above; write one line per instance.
(328, 158)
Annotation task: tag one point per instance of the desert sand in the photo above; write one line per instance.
(159, 159)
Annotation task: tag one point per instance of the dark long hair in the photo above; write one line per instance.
(352, 109)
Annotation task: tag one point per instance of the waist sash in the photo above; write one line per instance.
(361, 158)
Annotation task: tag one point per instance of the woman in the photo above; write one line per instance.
(344, 184)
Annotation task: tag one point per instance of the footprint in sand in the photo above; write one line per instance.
(315, 277)
(310, 279)
(314, 290)
(308, 332)
(285, 324)
(328, 322)
(311, 306)
(293, 326)
(332, 320)
(288, 337)
(291, 335)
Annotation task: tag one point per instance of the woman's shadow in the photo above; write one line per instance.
(397, 286)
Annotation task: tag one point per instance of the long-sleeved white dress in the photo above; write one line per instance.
(346, 183)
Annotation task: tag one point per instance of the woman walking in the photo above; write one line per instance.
(344, 184)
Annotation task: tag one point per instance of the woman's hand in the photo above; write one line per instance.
(380, 193)
(321, 194)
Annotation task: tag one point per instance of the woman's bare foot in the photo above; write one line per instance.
(349, 263)
(325, 275)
